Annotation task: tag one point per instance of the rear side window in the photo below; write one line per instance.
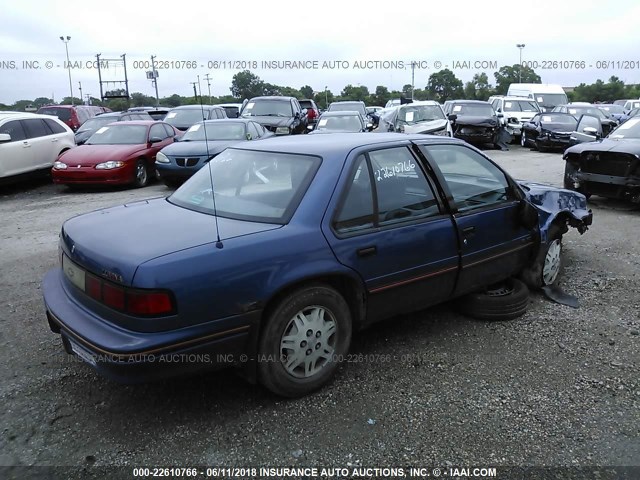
(14, 128)
(36, 128)
(356, 212)
(63, 114)
(54, 126)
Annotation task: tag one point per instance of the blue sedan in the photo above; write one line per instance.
(304, 241)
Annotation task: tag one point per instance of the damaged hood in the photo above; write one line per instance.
(426, 127)
(476, 121)
(272, 121)
(621, 145)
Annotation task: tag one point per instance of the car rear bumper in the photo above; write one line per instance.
(132, 357)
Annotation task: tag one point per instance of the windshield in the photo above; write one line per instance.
(186, 117)
(268, 108)
(521, 106)
(119, 135)
(550, 100)
(96, 122)
(63, 114)
(342, 123)
(419, 113)
(476, 109)
(249, 185)
(612, 108)
(562, 121)
(629, 129)
(348, 107)
(216, 131)
(596, 112)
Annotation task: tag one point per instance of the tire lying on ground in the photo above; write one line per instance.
(504, 301)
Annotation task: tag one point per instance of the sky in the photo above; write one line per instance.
(222, 38)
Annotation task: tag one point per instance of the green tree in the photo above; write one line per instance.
(174, 100)
(40, 101)
(380, 97)
(406, 90)
(349, 92)
(470, 91)
(508, 75)
(324, 98)
(306, 92)
(141, 100)
(444, 85)
(247, 85)
(483, 88)
(67, 101)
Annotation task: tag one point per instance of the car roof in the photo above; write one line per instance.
(270, 97)
(419, 102)
(24, 115)
(227, 120)
(477, 102)
(341, 143)
(346, 101)
(136, 122)
(192, 107)
(238, 105)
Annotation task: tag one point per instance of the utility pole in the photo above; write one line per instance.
(155, 78)
(80, 88)
(326, 97)
(520, 47)
(66, 46)
(207, 78)
(88, 95)
(195, 92)
(413, 68)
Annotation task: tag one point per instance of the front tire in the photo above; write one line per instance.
(141, 174)
(303, 341)
(546, 269)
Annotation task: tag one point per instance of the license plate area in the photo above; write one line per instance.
(82, 353)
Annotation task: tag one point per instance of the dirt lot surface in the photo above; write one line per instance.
(558, 386)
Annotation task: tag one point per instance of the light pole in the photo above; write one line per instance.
(326, 97)
(66, 46)
(520, 47)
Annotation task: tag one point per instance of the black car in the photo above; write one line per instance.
(334, 122)
(473, 121)
(280, 115)
(186, 115)
(577, 109)
(90, 127)
(548, 130)
(608, 166)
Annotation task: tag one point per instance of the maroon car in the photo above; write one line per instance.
(119, 153)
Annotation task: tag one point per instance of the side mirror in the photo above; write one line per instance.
(369, 126)
(155, 140)
(590, 131)
(452, 117)
(5, 137)
(248, 136)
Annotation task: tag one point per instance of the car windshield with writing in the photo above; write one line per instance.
(629, 129)
(596, 112)
(348, 107)
(474, 109)
(340, 123)
(215, 131)
(520, 106)
(95, 123)
(268, 108)
(560, 121)
(420, 113)
(185, 117)
(550, 100)
(119, 135)
(249, 185)
(617, 109)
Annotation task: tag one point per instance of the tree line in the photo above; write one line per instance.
(441, 86)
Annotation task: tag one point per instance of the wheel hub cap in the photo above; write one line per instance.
(551, 263)
(308, 342)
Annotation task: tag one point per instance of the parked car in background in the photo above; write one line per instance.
(89, 127)
(608, 166)
(547, 96)
(516, 111)
(580, 108)
(30, 143)
(335, 122)
(548, 130)
(373, 109)
(73, 116)
(616, 111)
(313, 112)
(280, 115)
(156, 113)
(633, 112)
(394, 102)
(631, 104)
(303, 242)
(177, 162)
(186, 115)
(418, 117)
(474, 121)
(350, 106)
(120, 153)
(232, 109)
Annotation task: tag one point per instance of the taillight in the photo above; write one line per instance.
(113, 296)
(93, 287)
(155, 303)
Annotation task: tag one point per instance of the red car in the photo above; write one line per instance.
(118, 153)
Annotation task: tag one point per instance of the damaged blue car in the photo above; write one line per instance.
(274, 253)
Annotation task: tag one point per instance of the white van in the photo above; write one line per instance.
(548, 96)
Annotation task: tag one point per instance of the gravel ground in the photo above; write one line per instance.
(556, 387)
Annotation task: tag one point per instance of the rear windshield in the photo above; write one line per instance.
(63, 114)
(186, 117)
(476, 109)
(348, 107)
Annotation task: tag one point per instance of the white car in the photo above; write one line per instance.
(515, 112)
(31, 142)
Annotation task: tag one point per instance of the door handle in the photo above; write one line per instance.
(367, 251)
(26, 144)
(468, 231)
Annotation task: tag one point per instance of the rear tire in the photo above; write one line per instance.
(504, 301)
(304, 340)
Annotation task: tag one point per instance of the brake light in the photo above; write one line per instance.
(93, 287)
(155, 303)
(113, 296)
(312, 113)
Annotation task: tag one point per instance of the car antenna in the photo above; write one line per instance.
(213, 193)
